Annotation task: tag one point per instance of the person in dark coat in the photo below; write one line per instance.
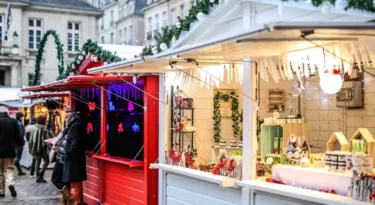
(57, 174)
(9, 139)
(19, 148)
(74, 171)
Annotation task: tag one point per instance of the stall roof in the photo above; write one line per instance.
(46, 95)
(269, 40)
(79, 82)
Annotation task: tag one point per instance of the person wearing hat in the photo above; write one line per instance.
(19, 148)
(9, 139)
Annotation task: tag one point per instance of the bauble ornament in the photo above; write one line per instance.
(212, 1)
(341, 4)
(78, 62)
(80, 57)
(73, 67)
(178, 24)
(163, 46)
(154, 50)
(201, 16)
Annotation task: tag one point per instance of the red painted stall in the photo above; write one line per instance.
(115, 180)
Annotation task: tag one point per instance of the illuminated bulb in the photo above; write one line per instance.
(330, 83)
(80, 57)
(134, 79)
(326, 10)
(178, 24)
(163, 46)
(280, 8)
(201, 16)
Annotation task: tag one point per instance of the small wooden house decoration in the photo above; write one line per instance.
(364, 133)
(341, 139)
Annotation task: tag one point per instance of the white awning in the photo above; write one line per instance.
(269, 40)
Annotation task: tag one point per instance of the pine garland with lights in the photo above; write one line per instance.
(39, 56)
(362, 5)
(217, 115)
(168, 33)
(91, 47)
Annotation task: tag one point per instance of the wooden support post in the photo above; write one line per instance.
(151, 136)
(103, 139)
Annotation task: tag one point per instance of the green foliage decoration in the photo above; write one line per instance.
(168, 33)
(362, 5)
(236, 116)
(39, 56)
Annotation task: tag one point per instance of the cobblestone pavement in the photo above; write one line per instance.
(31, 193)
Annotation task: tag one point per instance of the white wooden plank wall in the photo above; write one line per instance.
(183, 190)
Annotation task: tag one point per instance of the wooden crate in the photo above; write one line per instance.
(340, 138)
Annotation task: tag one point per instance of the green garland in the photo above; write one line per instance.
(217, 115)
(362, 5)
(60, 56)
(168, 33)
(91, 47)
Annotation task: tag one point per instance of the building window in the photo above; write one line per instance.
(120, 36)
(102, 23)
(131, 35)
(182, 12)
(126, 35)
(102, 39)
(35, 33)
(31, 79)
(112, 38)
(165, 19)
(157, 23)
(149, 29)
(1, 28)
(73, 36)
(192, 3)
(173, 16)
(112, 19)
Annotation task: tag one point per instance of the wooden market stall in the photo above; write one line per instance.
(121, 123)
(262, 48)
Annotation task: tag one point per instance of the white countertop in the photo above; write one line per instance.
(204, 176)
(299, 193)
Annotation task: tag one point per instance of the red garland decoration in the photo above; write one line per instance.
(336, 71)
(270, 180)
(89, 127)
(230, 167)
(92, 106)
(189, 161)
(120, 128)
(173, 157)
(216, 169)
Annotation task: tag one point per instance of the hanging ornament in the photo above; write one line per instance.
(89, 128)
(84, 53)
(73, 67)
(331, 83)
(341, 4)
(154, 50)
(308, 1)
(212, 1)
(95, 59)
(78, 62)
(120, 128)
(130, 107)
(178, 24)
(134, 79)
(280, 8)
(80, 57)
(326, 9)
(135, 128)
(92, 106)
(163, 46)
(201, 16)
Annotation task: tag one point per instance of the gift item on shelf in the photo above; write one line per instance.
(338, 137)
(261, 169)
(233, 143)
(362, 163)
(223, 143)
(362, 187)
(240, 144)
(363, 141)
(189, 102)
(229, 167)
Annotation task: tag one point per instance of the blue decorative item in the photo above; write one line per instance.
(111, 107)
(135, 128)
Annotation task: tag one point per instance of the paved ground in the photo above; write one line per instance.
(31, 193)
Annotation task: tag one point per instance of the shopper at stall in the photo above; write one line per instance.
(57, 174)
(19, 148)
(29, 127)
(9, 139)
(38, 148)
(74, 171)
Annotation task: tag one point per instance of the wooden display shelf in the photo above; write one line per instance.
(119, 160)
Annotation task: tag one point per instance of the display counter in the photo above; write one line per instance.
(264, 193)
(188, 186)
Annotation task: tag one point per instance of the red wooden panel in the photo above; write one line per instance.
(89, 200)
(93, 179)
(93, 171)
(125, 170)
(92, 194)
(92, 163)
(125, 180)
(91, 186)
(114, 198)
(124, 189)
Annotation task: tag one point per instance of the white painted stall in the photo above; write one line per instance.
(244, 31)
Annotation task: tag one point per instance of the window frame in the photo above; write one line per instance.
(182, 11)
(173, 16)
(73, 31)
(34, 28)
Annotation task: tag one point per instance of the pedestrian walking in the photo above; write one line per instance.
(57, 174)
(9, 139)
(74, 171)
(19, 148)
(29, 127)
(38, 148)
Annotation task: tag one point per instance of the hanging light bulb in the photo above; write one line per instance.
(280, 8)
(163, 46)
(331, 83)
(134, 79)
(201, 16)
